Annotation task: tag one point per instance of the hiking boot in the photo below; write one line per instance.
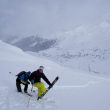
(25, 92)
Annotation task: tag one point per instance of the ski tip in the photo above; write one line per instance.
(57, 77)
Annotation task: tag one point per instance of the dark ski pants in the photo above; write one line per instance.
(18, 85)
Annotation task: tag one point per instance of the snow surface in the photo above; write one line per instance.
(74, 90)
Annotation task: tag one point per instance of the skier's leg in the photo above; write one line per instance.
(25, 88)
(41, 88)
(18, 85)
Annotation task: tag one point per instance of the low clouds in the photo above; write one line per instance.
(29, 17)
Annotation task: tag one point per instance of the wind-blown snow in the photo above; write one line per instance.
(74, 90)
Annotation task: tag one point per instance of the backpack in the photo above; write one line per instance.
(23, 76)
(21, 73)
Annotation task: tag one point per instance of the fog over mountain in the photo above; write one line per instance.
(49, 17)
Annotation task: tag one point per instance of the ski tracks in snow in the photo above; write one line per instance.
(12, 100)
(77, 86)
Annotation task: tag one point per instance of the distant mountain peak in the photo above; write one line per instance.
(31, 43)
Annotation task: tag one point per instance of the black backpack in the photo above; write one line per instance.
(21, 73)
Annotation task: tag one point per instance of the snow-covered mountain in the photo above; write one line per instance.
(86, 47)
(31, 43)
(78, 91)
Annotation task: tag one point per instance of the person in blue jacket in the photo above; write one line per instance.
(22, 78)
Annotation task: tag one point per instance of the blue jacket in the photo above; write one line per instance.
(24, 76)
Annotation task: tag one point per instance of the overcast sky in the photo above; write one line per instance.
(46, 17)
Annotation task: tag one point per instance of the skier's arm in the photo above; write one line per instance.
(46, 80)
(31, 77)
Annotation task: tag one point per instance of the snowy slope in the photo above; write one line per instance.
(86, 47)
(74, 89)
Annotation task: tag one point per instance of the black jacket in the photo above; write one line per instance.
(37, 75)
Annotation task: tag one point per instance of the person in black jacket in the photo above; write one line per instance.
(22, 78)
(35, 79)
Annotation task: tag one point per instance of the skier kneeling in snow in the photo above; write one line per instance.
(35, 79)
(22, 78)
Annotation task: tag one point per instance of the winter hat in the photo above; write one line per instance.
(41, 67)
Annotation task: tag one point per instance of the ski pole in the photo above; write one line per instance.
(11, 73)
(30, 97)
(28, 101)
(32, 88)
